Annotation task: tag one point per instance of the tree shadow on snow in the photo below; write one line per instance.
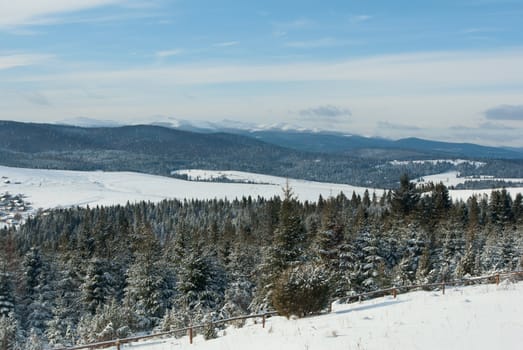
(373, 306)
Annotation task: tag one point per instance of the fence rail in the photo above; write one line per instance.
(394, 291)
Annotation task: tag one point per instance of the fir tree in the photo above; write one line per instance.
(405, 198)
(7, 298)
(146, 288)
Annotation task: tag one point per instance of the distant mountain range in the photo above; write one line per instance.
(306, 154)
(302, 139)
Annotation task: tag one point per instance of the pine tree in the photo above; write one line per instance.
(289, 236)
(95, 289)
(301, 290)
(334, 252)
(405, 198)
(61, 329)
(33, 341)
(10, 334)
(111, 321)
(286, 250)
(146, 287)
(7, 297)
(441, 201)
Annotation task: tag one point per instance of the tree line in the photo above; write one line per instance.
(91, 274)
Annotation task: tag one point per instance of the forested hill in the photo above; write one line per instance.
(160, 150)
(338, 143)
(178, 146)
(142, 148)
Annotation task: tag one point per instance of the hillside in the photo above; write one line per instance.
(338, 143)
(161, 150)
(479, 317)
(47, 189)
(142, 148)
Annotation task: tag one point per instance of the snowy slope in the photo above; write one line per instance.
(478, 317)
(63, 188)
(451, 179)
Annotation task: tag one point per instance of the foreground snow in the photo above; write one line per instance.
(479, 317)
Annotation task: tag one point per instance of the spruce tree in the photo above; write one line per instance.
(7, 296)
(146, 288)
(405, 198)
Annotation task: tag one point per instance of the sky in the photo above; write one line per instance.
(445, 70)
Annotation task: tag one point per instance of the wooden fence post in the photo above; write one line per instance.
(443, 287)
(263, 321)
(190, 335)
(497, 279)
(117, 343)
(394, 292)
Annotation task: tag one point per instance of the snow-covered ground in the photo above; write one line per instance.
(439, 161)
(229, 175)
(63, 188)
(483, 317)
(451, 178)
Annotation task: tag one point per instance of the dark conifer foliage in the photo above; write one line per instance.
(88, 274)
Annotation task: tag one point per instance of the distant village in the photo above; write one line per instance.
(12, 207)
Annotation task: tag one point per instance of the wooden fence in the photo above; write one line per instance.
(190, 331)
(394, 291)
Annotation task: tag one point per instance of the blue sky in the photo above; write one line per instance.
(449, 70)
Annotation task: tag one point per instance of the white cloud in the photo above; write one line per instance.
(30, 12)
(21, 60)
(386, 125)
(226, 44)
(318, 43)
(431, 90)
(480, 30)
(169, 53)
(295, 24)
(282, 28)
(21, 12)
(326, 111)
(408, 71)
(359, 18)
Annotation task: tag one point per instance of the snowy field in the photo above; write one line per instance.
(483, 317)
(63, 188)
(439, 161)
(451, 179)
(45, 189)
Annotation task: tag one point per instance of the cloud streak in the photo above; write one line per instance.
(226, 44)
(395, 126)
(505, 112)
(169, 53)
(27, 12)
(318, 43)
(21, 60)
(437, 69)
(36, 98)
(326, 111)
(359, 18)
(23, 13)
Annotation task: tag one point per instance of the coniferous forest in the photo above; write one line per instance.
(89, 274)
